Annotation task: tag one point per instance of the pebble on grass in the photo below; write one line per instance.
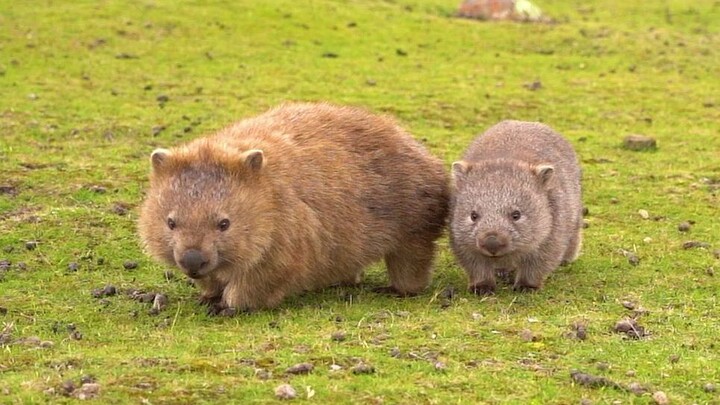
(695, 244)
(159, 303)
(31, 244)
(630, 328)
(660, 398)
(130, 264)
(338, 336)
(285, 391)
(87, 391)
(363, 368)
(639, 142)
(592, 381)
(709, 387)
(302, 368)
(684, 226)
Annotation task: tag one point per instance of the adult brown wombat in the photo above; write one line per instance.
(301, 197)
(516, 205)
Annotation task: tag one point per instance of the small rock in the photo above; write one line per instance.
(120, 208)
(614, 201)
(3, 311)
(534, 85)
(630, 373)
(716, 253)
(637, 388)
(644, 214)
(684, 226)
(130, 264)
(695, 244)
(145, 297)
(580, 331)
(674, 358)
(633, 259)
(527, 335)
(631, 328)
(592, 381)
(302, 368)
(67, 387)
(628, 305)
(602, 366)
(46, 344)
(439, 366)
(395, 352)
(162, 98)
(157, 129)
(107, 291)
(639, 142)
(285, 391)
(335, 367)
(338, 336)
(87, 391)
(159, 303)
(262, 374)
(709, 387)
(31, 244)
(73, 266)
(5, 265)
(586, 401)
(585, 211)
(363, 368)
(660, 398)
(87, 378)
(76, 335)
(98, 189)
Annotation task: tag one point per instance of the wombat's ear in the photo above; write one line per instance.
(159, 157)
(544, 173)
(254, 159)
(460, 170)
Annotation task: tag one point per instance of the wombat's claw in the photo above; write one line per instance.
(209, 300)
(525, 288)
(482, 289)
(390, 290)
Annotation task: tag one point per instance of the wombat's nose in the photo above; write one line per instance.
(192, 261)
(492, 244)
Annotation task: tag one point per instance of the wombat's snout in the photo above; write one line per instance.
(492, 244)
(192, 262)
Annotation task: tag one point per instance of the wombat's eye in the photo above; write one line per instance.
(474, 216)
(515, 215)
(224, 224)
(171, 223)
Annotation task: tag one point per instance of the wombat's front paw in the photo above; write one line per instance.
(525, 288)
(209, 300)
(219, 309)
(482, 289)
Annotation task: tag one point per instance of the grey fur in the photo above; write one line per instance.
(513, 167)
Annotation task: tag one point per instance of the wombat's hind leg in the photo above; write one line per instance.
(409, 268)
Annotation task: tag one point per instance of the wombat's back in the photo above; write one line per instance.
(367, 186)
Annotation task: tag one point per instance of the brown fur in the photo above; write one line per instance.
(516, 206)
(313, 193)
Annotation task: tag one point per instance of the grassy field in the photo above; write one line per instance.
(89, 88)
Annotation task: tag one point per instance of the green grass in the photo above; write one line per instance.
(79, 86)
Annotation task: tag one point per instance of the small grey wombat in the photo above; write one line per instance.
(516, 205)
